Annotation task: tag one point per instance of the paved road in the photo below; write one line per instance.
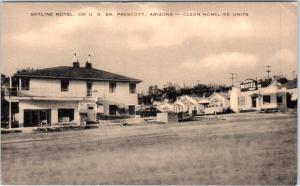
(250, 151)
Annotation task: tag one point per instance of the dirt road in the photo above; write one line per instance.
(253, 151)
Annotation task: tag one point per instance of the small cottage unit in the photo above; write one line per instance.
(251, 96)
(189, 104)
(218, 102)
(165, 107)
(71, 94)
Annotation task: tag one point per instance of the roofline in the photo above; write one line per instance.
(93, 79)
(219, 95)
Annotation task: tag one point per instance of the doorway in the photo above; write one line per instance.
(253, 102)
(131, 109)
(113, 110)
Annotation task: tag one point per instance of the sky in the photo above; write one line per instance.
(180, 49)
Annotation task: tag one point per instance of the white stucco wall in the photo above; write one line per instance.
(273, 91)
(121, 95)
(53, 105)
(51, 88)
(78, 88)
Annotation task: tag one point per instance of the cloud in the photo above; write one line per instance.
(222, 61)
(284, 56)
(139, 32)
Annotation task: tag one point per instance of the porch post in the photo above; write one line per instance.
(20, 84)
(54, 116)
(9, 105)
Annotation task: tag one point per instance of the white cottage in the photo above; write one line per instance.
(218, 103)
(189, 104)
(250, 96)
(165, 107)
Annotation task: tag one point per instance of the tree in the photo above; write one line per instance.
(4, 103)
(24, 70)
(170, 92)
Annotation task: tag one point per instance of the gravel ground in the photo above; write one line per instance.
(248, 150)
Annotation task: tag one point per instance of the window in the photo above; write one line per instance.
(266, 99)
(64, 85)
(112, 87)
(89, 88)
(65, 115)
(132, 88)
(241, 100)
(25, 83)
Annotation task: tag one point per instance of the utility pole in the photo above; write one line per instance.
(294, 75)
(268, 70)
(198, 87)
(233, 77)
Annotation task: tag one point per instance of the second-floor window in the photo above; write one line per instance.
(89, 88)
(112, 87)
(64, 85)
(132, 88)
(25, 83)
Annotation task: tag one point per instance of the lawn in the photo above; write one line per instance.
(204, 152)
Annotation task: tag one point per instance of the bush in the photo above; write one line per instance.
(228, 111)
(194, 112)
(11, 131)
(104, 117)
(92, 122)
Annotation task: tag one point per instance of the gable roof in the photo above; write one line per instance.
(198, 98)
(79, 73)
(222, 94)
(291, 84)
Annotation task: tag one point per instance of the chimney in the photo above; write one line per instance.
(88, 63)
(75, 61)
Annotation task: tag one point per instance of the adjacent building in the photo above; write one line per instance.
(251, 96)
(71, 94)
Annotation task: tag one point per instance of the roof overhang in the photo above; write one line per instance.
(79, 78)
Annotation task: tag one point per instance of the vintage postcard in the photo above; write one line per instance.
(149, 93)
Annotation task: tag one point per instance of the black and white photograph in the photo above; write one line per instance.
(149, 93)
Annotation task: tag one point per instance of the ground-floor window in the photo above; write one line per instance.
(266, 99)
(113, 110)
(131, 110)
(35, 117)
(241, 100)
(65, 115)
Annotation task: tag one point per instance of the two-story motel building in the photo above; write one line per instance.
(72, 93)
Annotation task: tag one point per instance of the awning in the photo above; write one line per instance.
(109, 102)
(255, 95)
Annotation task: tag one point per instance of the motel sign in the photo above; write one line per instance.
(249, 85)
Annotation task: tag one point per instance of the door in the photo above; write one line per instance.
(113, 110)
(131, 109)
(254, 102)
(279, 100)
